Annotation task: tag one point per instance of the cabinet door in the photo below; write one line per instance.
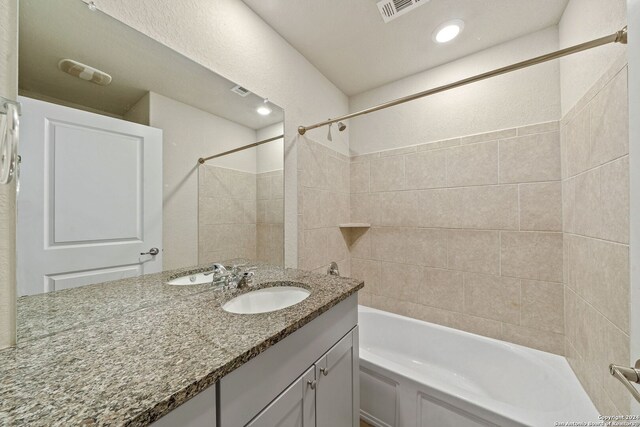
(336, 394)
(295, 407)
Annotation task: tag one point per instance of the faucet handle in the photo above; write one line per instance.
(247, 278)
(218, 268)
(237, 268)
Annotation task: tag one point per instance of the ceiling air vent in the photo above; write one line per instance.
(391, 9)
(240, 91)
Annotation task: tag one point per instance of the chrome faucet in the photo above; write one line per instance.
(216, 270)
(240, 279)
(233, 278)
(245, 280)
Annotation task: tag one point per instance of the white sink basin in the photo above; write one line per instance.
(193, 279)
(266, 300)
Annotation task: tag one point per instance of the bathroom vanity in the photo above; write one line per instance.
(141, 352)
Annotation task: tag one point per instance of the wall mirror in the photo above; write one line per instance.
(113, 125)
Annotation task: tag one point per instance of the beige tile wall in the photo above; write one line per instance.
(595, 147)
(240, 215)
(226, 214)
(270, 217)
(323, 204)
(466, 233)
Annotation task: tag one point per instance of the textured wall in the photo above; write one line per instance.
(595, 147)
(227, 37)
(517, 99)
(584, 20)
(466, 233)
(8, 89)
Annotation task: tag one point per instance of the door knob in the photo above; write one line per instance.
(152, 251)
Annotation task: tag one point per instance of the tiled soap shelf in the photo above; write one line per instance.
(355, 225)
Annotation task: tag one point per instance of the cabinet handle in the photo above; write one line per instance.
(311, 384)
(325, 371)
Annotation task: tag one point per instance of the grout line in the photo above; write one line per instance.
(378, 153)
(594, 168)
(520, 304)
(600, 313)
(503, 184)
(447, 268)
(419, 227)
(499, 177)
(500, 253)
(519, 210)
(596, 238)
(464, 287)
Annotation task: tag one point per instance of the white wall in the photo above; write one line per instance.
(8, 89)
(584, 20)
(634, 174)
(270, 156)
(139, 113)
(188, 134)
(230, 39)
(512, 100)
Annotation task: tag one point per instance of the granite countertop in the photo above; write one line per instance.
(127, 352)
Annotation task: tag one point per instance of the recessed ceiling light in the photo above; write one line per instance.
(448, 31)
(263, 111)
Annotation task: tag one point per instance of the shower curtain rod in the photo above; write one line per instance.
(201, 160)
(617, 37)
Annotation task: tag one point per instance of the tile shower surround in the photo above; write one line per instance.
(323, 203)
(240, 215)
(518, 234)
(595, 180)
(466, 233)
(270, 217)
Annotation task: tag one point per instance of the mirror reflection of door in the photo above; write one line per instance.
(91, 199)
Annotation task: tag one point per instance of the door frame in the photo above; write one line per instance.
(633, 52)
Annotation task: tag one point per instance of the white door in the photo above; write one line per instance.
(90, 200)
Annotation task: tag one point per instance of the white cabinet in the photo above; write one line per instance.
(295, 407)
(324, 396)
(337, 382)
(199, 411)
(309, 379)
(248, 390)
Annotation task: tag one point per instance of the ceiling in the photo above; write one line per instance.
(349, 43)
(55, 29)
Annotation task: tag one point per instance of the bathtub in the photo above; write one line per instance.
(418, 374)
